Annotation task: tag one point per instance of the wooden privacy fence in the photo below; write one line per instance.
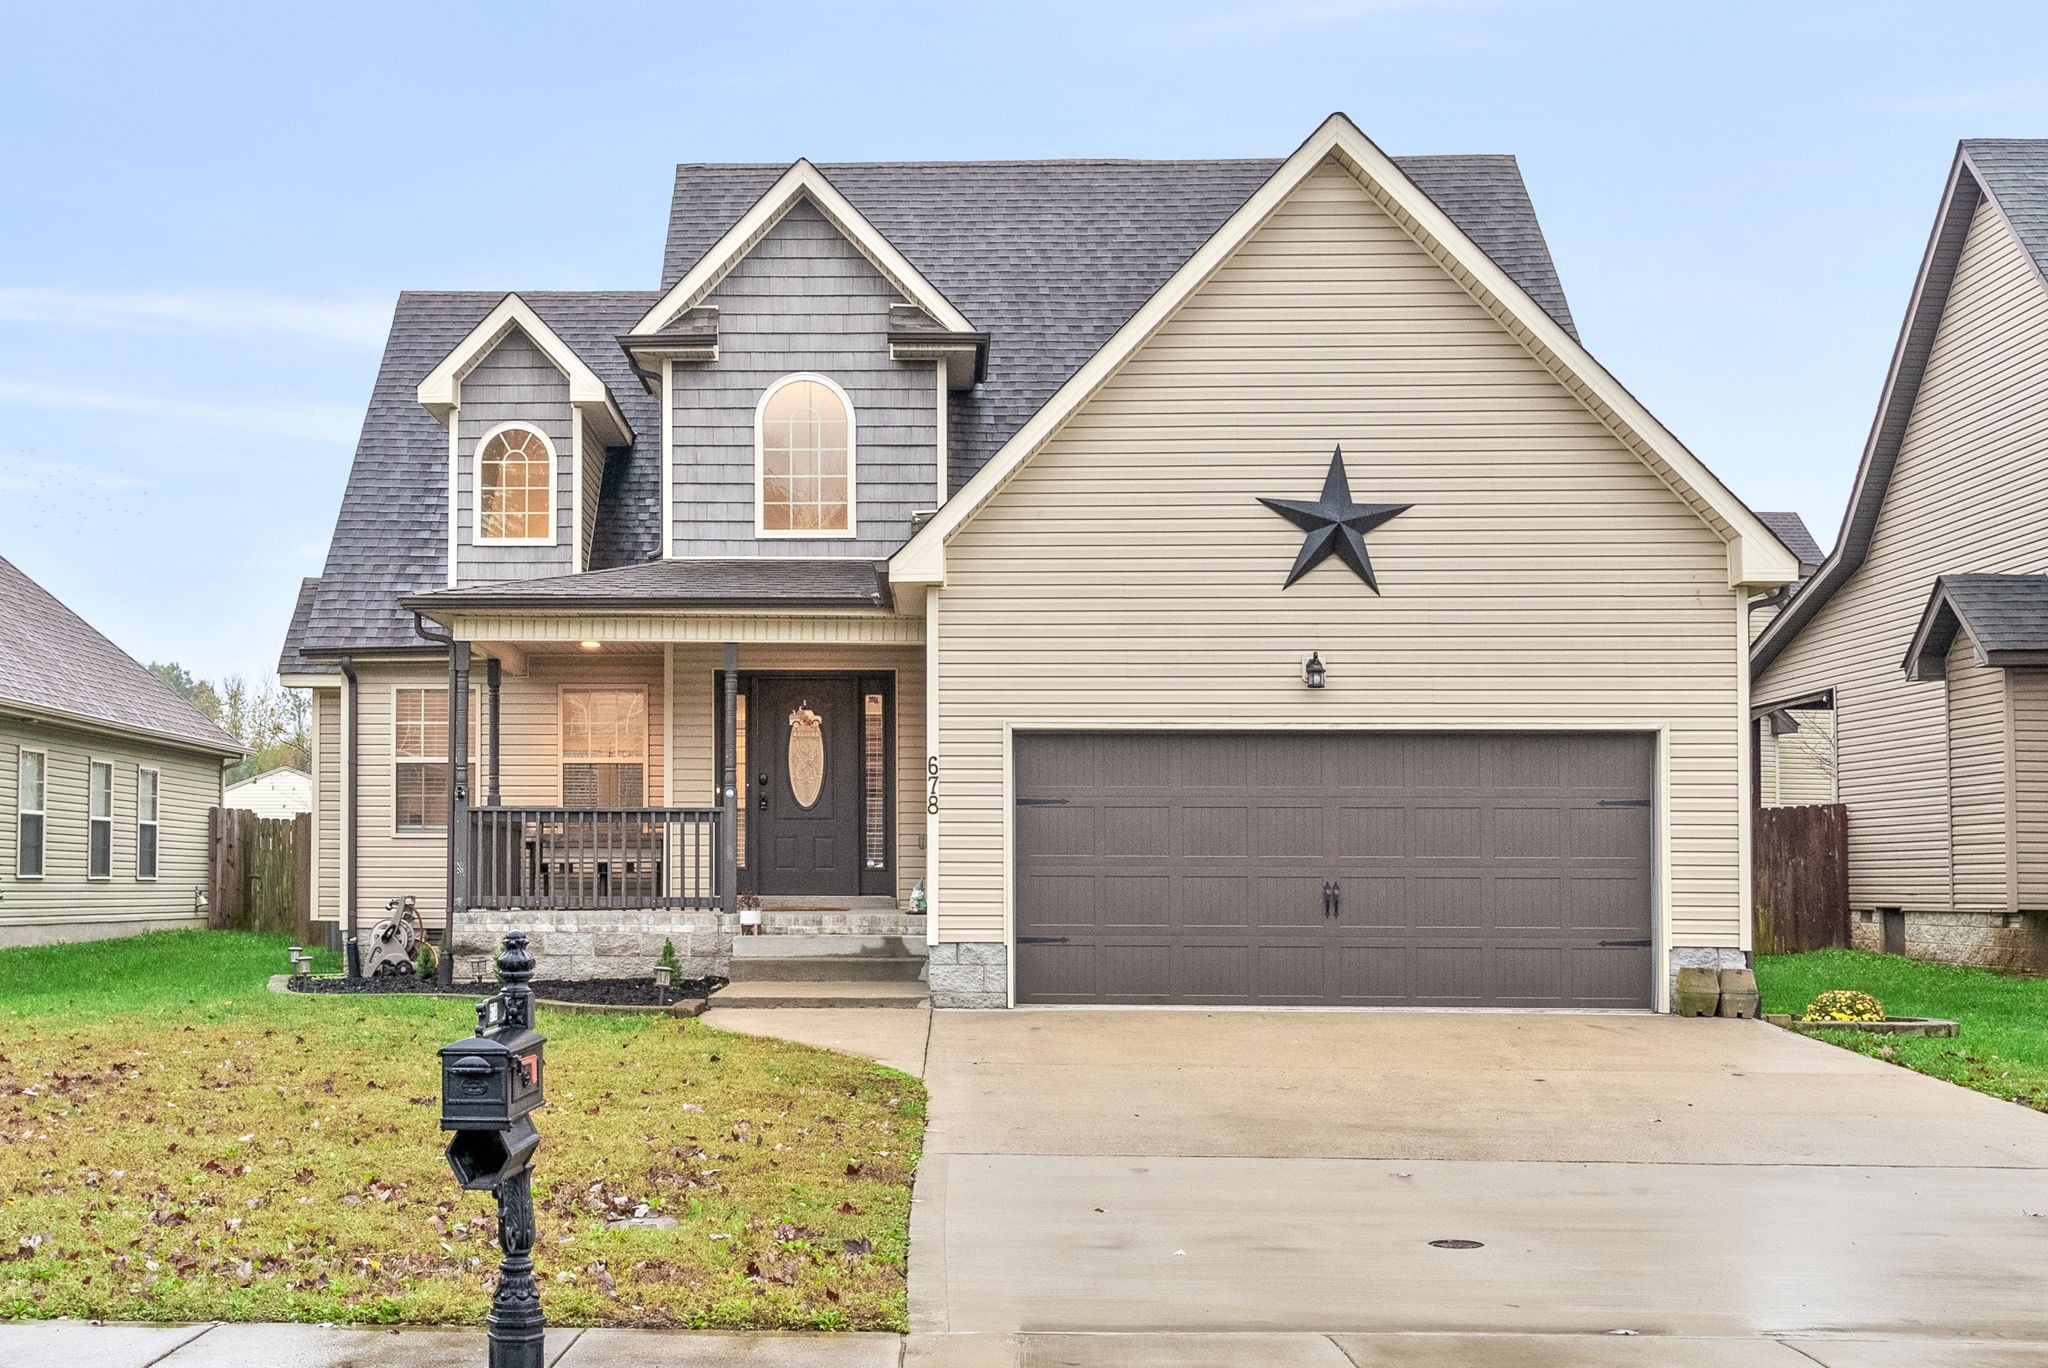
(260, 873)
(1801, 878)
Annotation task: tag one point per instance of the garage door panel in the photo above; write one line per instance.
(1475, 869)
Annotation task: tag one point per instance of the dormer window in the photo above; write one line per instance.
(515, 486)
(803, 433)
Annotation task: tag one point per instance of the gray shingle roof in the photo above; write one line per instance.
(1050, 258)
(756, 581)
(2013, 172)
(52, 659)
(1790, 529)
(2005, 615)
(291, 660)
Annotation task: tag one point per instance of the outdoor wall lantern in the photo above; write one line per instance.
(1313, 671)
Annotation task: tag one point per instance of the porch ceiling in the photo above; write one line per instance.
(622, 633)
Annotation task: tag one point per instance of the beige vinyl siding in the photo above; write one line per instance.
(327, 803)
(696, 721)
(1977, 781)
(390, 865)
(2027, 700)
(67, 905)
(1544, 578)
(1969, 493)
(1798, 768)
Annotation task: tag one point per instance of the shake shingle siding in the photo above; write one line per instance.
(514, 384)
(804, 300)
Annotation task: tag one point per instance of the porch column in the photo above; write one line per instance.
(728, 784)
(492, 674)
(458, 804)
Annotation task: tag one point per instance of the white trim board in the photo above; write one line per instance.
(1755, 556)
(801, 182)
(438, 392)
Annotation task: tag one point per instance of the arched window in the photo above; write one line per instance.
(804, 433)
(515, 486)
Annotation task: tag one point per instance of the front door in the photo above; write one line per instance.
(803, 746)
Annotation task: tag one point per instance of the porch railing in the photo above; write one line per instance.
(585, 859)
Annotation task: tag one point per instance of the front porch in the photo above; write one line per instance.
(619, 792)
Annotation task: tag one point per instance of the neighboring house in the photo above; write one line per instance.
(1919, 638)
(911, 534)
(279, 792)
(1794, 754)
(106, 779)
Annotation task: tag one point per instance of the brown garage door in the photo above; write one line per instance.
(1413, 870)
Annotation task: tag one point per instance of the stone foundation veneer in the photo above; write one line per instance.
(586, 945)
(1701, 957)
(1974, 938)
(969, 974)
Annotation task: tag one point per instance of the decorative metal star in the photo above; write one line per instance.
(1334, 525)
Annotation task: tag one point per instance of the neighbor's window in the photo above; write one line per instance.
(99, 820)
(604, 748)
(806, 443)
(420, 751)
(32, 778)
(514, 487)
(148, 784)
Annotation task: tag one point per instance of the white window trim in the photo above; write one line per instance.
(852, 463)
(42, 811)
(93, 762)
(476, 490)
(562, 760)
(430, 833)
(156, 822)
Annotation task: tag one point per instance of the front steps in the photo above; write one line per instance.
(826, 969)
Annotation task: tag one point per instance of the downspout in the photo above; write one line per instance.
(352, 950)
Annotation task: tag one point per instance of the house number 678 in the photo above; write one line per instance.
(931, 784)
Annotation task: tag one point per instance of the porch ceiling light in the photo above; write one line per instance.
(591, 645)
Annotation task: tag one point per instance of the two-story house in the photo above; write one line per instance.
(1908, 679)
(1188, 581)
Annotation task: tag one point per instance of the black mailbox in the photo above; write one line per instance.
(490, 1080)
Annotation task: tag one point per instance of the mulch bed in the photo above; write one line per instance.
(596, 992)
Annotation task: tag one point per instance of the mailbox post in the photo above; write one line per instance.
(490, 1086)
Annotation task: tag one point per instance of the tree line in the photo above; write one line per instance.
(265, 716)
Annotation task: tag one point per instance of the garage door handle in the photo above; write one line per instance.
(1041, 940)
(1333, 898)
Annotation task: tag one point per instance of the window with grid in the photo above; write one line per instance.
(740, 769)
(513, 482)
(99, 820)
(148, 787)
(806, 459)
(604, 748)
(32, 781)
(420, 757)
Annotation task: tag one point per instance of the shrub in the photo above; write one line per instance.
(670, 958)
(427, 964)
(1845, 1004)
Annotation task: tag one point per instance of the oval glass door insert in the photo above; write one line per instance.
(806, 755)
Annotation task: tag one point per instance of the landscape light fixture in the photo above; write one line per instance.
(1313, 671)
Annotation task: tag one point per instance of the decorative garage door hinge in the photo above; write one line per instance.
(1041, 940)
(1624, 802)
(1041, 802)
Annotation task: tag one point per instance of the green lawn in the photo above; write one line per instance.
(2003, 1048)
(177, 1143)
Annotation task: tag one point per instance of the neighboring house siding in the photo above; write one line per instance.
(514, 384)
(1969, 493)
(1544, 578)
(1977, 781)
(65, 904)
(327, 804)
(695, 778)
(803, 300)
(280, 794)
(2027, 697)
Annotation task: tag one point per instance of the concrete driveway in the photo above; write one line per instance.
(1247, 1187)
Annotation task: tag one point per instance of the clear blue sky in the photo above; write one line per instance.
(205, 211)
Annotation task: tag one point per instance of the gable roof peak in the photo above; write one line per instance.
(438, 392)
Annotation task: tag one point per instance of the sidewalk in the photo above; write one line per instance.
(68, 1344)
